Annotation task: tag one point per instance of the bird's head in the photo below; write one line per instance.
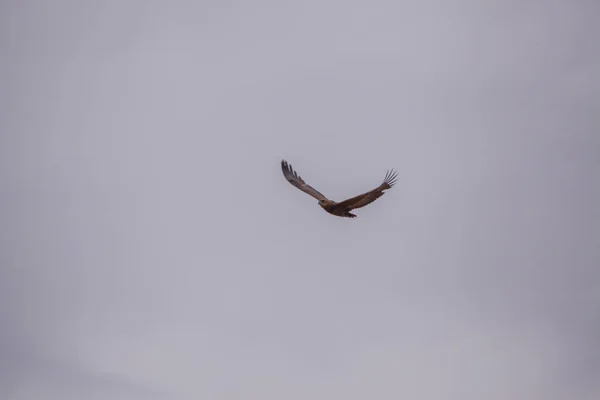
(322, 203)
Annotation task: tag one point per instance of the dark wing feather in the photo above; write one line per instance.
(292, 177)
(369, 197)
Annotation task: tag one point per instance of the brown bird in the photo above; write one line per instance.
(343, 208)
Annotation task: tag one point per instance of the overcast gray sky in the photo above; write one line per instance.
(150, 247)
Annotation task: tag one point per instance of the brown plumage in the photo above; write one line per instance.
(343, 208)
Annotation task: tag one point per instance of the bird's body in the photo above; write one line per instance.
(343, 208)
(333, 208)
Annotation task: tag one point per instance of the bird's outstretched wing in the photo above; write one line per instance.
(369, 197)
(295, 179)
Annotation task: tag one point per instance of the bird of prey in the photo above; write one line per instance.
(343, 208)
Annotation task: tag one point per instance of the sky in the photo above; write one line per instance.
(150, 247)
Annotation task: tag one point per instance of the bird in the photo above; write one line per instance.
(342, 208)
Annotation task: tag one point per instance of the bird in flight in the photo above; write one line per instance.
(343, 208)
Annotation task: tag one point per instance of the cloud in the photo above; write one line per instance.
(150, 247)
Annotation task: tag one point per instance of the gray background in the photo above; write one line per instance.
(150, 247)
